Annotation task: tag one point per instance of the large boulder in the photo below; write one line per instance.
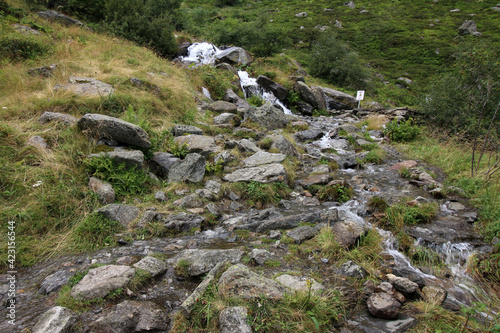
(204, 145)
(309, 135)
(132, 316)
(469, 28)
(183, 221)
(383, 305)
(162, 162)
(86, 86)
(113, 128)
(306, 94)
(337, 100)
(268, 116)
(56, 320)
(199, 262)
(234, 320)
(101, 280)
(121, 213)
(223, 107)
(54, 281)
(319, 96)
(191, 169)
(239, 281)
(234, 56)
(269, 173)
(262, 157)
(58, 17)
(152, 265)
(277, 89)
(231, 96)
(283, 145)
(347, 233)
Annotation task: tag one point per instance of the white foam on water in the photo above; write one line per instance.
(201, 53)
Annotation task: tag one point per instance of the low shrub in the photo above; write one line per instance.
(259, 194)
(20, 47)
(402, 131)
(96, 231)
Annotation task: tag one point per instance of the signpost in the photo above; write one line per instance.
(360, 96)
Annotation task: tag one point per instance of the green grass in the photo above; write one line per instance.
(259, 194)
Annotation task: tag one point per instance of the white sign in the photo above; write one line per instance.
(360, 95)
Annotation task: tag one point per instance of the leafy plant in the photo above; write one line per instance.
(20, 47)
(180, 150)
(402, 131)
(96, 231)
(260, 194)
(214, 168)
(255, 100)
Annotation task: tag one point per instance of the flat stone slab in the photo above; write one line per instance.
(178, 130)
(234, 320)
(101, 280)
(152, 265)
(204, 145)
(269, 173)
(86, 86)
(299, 283)
(202, 261)
(63, 118)
(56, 320)
(131, 158)
(121, 213)
(262, 157)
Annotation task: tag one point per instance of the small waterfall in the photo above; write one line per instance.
(201, 53)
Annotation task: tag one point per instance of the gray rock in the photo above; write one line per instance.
(191, 169)
(132, 316)
(299, 283)
(58, 17)
(44, 71)
(337, 100)
(86, 86)
(178, 130)
(373, 106)
(304, 233)
(152, 265)
(319, 95)
(404, 285)
(284, 146)
(383, 305)
(364, 322)
(213, 209)
(350, 4)
(56, 320)
(469, 28)
(103, 189)
(148, 217)
(351, 269)
(234, 56)
(230, 96)
(201, 261)
(260, 256)
(162, 163)
(246, 145)
(101, 280)
(262, 157)
(316, 179)
(304, 108)
(301, 14)
(200, 144)
(456, 206)
(211, 190)
(54, 281)
(25, 30)
(183, 221)
(309, 135)
(225, 156)
(268, 116)
(190, 201)
(234, 320)
(434, 294)
(226, 118)
(161, 196)
(306, 94)
(239, 281)
(277, 89)
(223, 107)
(347, 233)
(115, 129)
(131, 158)
(226, 67)
(263, 174)
(121, 213)
(62, 118)
(37, 142)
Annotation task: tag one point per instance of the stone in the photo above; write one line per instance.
(404, 285)
(225, 156)
(373, 106)
(300, 283)
(309, 135)
(262, 158)
(353, 270)
(161, 196)
(260, 256)
(44, 71)
(178, 130)
(234, 56)
(434, 294)
(405, 164)
(268, 116)
(200, 144)
(304, 108)
(304, 233)
(62, 118)
(131, 158)
(230, 96)
(54, 281)
(211, 190)
(191, 169)
(37, 142)
(234, 320)
(86, 86)
(190, 201)
(284, 146)
(152, 265)
(347, 233)
(121, 213)
(183, 221)
(101, 280)
(104, 190)
(25, 30)
(223, 107)
(350, 4)
(318, 93)
(239, 281)
(132, 316)
(316, 179)
(148, 217)
(306, 94)
(469, 28)
(113, 128)
(202, 261)
(301, 14)
(60, 18)
(56, 320)
(226, 67)
(383, 305)
(161, 163)
(269, 173)
(337, 100)
(226, 118)
(455, 206)
(277, 89)
(246, 145)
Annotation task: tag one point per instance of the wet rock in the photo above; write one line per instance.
(262, 157)
(260, 256)
(246, 145)
(347, 233)
(268, 116)
(234, 56)
(304, 108)
(131, 158)
(304, 233)
(309, 135)
(277, 89)
(469, 28)
(86, 87)
(300, 283)
(37, 142)
(337, 100)
(234, 320)
(263, 174)
(239, 281)
(60, 18)
(162, 163)
(152, 265)
(115, 129)
(101, 280)
(54, 281)
(200, 144)
(62, 118)
(353, 270)
(179, 130)
(161, 196)
(191, 169)
(183, 221)
(383, 305)
(364, 323)
(317, 179)
(190, 201)
(223, 107)
(434, 294)
(132, 316)
(104, 190)
(56, 320)
(226, 118)
(122, 213)
(201, 261)
(402, 284)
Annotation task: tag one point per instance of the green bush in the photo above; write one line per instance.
(410, 215)
(96, 231)
(402, 131)
(260, 194)
(21, 47)
(224, 3)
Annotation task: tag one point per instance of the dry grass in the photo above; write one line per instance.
(375, 122)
